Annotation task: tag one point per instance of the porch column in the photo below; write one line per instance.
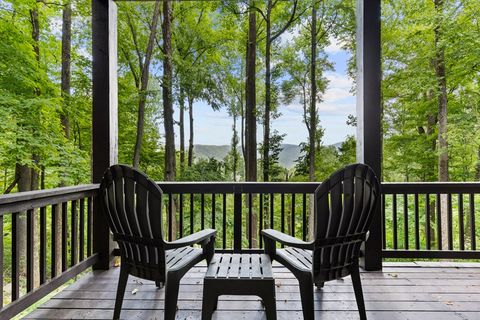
(369, 132)
(104, 113)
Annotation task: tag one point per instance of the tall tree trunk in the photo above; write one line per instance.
(234, 147)
(477, 168)
(65, 77)
(181, 124)
(268, 95)
(250, 96)
(170, 156)
(66, 66)
(191, 132)
(313, 114)
(145, 74)
(440, 74)
(250, 113)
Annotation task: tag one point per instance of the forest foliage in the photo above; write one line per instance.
(431, 94)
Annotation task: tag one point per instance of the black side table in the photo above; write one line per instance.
(239, 274)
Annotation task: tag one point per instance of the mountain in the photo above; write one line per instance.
(287, 157)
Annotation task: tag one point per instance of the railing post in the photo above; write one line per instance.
(369, 111)
(104, 114)
(237, 222)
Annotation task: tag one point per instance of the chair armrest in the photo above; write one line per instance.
(202, 237)
(270, 234)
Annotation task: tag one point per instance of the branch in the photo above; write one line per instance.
(12, 185)
(130, 64)
(135, 41)
(289, 22)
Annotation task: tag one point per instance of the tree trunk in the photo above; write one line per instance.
(66, 67)
(250, 114)
(191, 132)
(266, 117)
(440, 74)
(250, 96)
(313, 115)
(145, 74)
(477, 168)
(170, 156)
(234, 147)
(181, 124)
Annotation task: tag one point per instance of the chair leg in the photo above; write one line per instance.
(171, 296)
(122, 284)
(357, 287)
(306, 293)
(269, 302)
(209, 303)
(159, 284)
(319, 285)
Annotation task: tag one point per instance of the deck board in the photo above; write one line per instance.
(400, 292)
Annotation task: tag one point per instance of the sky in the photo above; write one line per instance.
(215, 127)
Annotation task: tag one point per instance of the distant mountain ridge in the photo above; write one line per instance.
(287, 156)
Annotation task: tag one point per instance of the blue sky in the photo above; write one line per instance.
(215, 127)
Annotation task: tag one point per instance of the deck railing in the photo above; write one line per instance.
(59, 243)
(430, 220)
(56, 227)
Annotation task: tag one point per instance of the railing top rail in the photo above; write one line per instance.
(47, 193)
(21, 201)
(430, 187)
(238, 187)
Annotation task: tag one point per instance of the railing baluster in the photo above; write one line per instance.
(405, 221)
(417, 222)
(191, 214)
(261, 195)
(181, 215)
(74, 234)
(202, 211)
(272, 212)
(461, 228)
(394, 218)
(282, 210)
(30, 244)
(450, 221)
(224, 229)
(170, 217)
(89, 225)
(304, 216)
(237, 223)
(64, 236)
(427, 221)
(472, 222)
(15, 257)
(54, 246)
(384, 224)
(439, 223)
(43, 245)
(81, 251)
(293, 216)
(250, 221)
(213, 210)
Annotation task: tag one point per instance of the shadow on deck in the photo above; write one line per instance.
(422, 290)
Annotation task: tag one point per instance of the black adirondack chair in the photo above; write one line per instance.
(133, 204)
(344, 207)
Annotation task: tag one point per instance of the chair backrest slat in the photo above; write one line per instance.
(344, 209)
(133, 204)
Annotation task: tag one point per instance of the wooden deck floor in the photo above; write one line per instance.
(440, 291)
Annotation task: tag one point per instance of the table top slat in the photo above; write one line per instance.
(240, 267)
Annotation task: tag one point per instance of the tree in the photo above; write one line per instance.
(170, 157)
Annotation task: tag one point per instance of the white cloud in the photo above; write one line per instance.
(335, 46)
